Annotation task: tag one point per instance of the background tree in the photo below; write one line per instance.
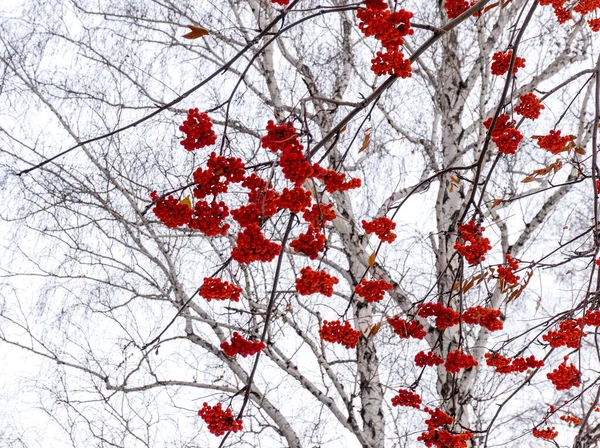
(99, 286)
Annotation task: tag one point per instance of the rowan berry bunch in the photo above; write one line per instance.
(208, 218)
(311, 282)
(319, 214)
(442, 438)
(198, 130)
(404, 329)
(219, 421)
(241, 346)
(530, 106)
(569, 333)
(407, 398)
(309, 243)
(562, 14)
(171, 212)
(455, 8)
(507, 273)
(553, 142)
(546, 433)
(457, 360)
(335, 181)
(372, 290)
(337, 333)
(486, 317)
(501, 63)
(473, 246)
(445, 317)
(504, 135)
(389, 28)
(252, 246)
(505, 365)
(217, 289)
(565, 377)
(428, 359)
(594, 24)
(382, 227)
(297, 200)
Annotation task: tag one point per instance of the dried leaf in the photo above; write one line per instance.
(497, 202)
(343, 129)
(468, 285)
(372, 259)
(491, 6)
(580, 150)
(374, 330)
(186, 201)
(455, 179)
(366, 141)
(195, 32)
(528, 179)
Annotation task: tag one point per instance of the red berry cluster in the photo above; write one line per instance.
(217, 289)
(296, 200)
(546, 433)
(486, 317)
(319, 214)
(389, 28)
(586, 6)
(457, 360)
(507, 273)
(569, 333)
(455, 8)
(594, 25)
(208, 218)
(562, 14)
(507, 365)
(281, 2)
(530, 106)
(335, 181)
(442, 438)
(407, 398)
(444, 317)
(502, 63)
(382, 227)
(311, 282)
(252, 246)
(220, 172)
(372, 290)
(504, 135)
(474, 245)
(310, 243)
(241, 346)
(198, 131)
(430, 359)
(341, 334)
(553, 142)
(592, 318)
(219, 421)
(565, 377)
(171, 212)
(570, 419)
(405, 330)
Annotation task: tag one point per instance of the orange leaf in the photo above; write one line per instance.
(497, 202)
(366, 141)
(195, 32)
(374, 330)
(372, 259)
(580, 150)
(528, 179)
(186, 201)
(491, 6)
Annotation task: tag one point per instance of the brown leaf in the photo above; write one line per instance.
(343, 129)
(366, 141)
(186, 201)
(372, 259)
(468, 285)
(580, 150)
(491, 6)
(528, 179)
(195, 32)
(497, 202)
(374, 330)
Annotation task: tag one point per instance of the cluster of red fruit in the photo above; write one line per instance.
(219, 421)
(546, 433)
(311, 282)
(455, 8)
(473, 246)
(569, 333)
(507, 365)
(429, 359)
(389, 28)
(507, 273)
(565, 377)
(404, 329)
(501, 63)
(407, 398)
(170, 211)
(217, 289)
(198, 130)
(442, 438)
(570, 419)
(486, 317)
(457, 360)
(505, 135)
(241, 346)
(382, 227)
(253, 246)
(341, 334)
(530, 106)
(372, 290)
(444, 317)
(553, 142)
